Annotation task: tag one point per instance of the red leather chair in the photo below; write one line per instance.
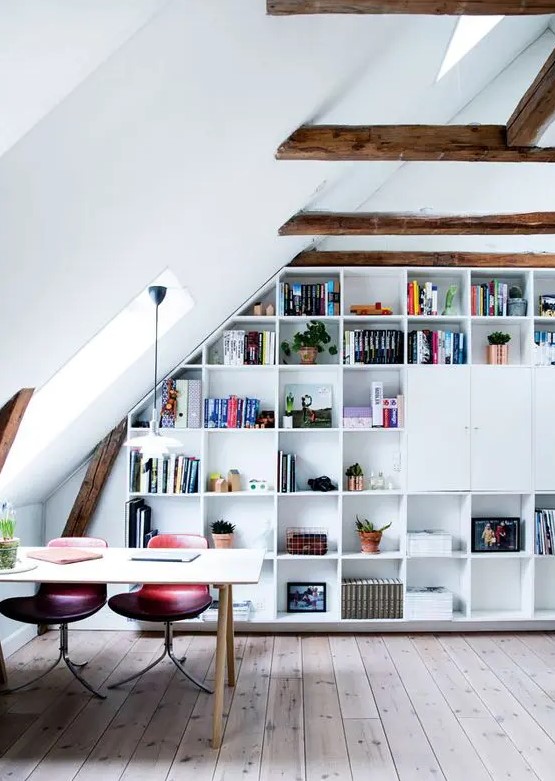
(165, 603)
(60, 603)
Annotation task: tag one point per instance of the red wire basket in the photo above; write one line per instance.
(306, 541)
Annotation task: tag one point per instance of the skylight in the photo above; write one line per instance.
(92, 370)
(468, 33)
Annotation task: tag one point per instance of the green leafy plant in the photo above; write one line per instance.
(515, 292)
(499, 338)
(355, 470)
(222, 527)
(7, 521)
(365, 525)
(314, 335)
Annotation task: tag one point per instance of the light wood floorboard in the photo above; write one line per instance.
(478, 707)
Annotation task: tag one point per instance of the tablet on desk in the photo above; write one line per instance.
(167, 556)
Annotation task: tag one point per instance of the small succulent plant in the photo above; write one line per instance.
(222, 527)
(355, 470)
(364, 525)
(499, 338)
(515, 291)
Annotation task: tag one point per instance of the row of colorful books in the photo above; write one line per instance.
(544, 525)
(489, 299)
(173, 474)
(249, 348)
(441, 347)
(421, 298)
(320, 299)
(181, 404)
(544, 349)
(286, 468)
(231, 412)
(372, 346)
(371, 598)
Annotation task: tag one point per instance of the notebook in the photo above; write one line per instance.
(63, 555)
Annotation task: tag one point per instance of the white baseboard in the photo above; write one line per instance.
(18, 639)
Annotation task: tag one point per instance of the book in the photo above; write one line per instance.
(376, 399)
(547, 305)
(310, 405)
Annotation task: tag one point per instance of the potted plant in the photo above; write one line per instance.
(370, 537)
(8, 543)
(310, 342)
(355, 477)
(516, 305)
(222, 533)
(498, 348)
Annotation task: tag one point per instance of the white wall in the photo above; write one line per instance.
(30, 531)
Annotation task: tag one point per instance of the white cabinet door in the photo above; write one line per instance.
(544, 425)
(438, 420)
(501, 421)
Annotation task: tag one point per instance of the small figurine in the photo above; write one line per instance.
(233, 480)
(270, 310)
(257, 309)
(449, 298)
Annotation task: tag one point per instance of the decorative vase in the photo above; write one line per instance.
(8, 553)
(516, 307)
(355, 483)
(308, 355)
(287, 421)
(223, 540)
(498, 354)
(370, 541)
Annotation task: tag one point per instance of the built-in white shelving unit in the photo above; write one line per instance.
(477, 441)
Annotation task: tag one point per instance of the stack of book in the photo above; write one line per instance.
(386, 412)
(371, 598)
(138, 519)
(173, 474)
(318, 299)
(429, 543)
(441, 347)
(232, 412)
(545, 532)
(241, 611)
(286, 466)
(357, 417)
(428, 603)
(489, 299)
(375, 346)
(181, 404)
(249, 348)
(421, 298)
(544, 349)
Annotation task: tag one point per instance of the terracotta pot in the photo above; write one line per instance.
(498, 354)
(308, 355)
(8, 553)
(355, 483)
(370, 541)
(223, 540)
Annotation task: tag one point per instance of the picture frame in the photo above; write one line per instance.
(304, 597)
(495, 535)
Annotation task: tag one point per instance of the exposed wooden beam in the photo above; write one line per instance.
(97, 474)
(432, 7)
(326, 258)
(468, 143)
(536, 109)
(388, 224)
(11, 415)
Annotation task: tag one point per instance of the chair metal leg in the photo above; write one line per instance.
(62, 655)
(168, 651)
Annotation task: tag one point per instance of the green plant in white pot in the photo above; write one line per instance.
(8, 541)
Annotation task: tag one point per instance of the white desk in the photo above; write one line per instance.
(221, 568)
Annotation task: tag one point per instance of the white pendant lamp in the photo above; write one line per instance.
(154, 444)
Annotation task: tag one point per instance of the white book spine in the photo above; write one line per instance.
(377, 403)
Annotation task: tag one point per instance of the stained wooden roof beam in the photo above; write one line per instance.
(430, 7)
(536, 110)
(361, 258)
(11, 416)
(391, 224)
(466, 143)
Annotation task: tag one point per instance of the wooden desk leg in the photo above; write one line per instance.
(230, 639)
(223, 592)
(3, 671)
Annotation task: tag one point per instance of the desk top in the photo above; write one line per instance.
(228, 567)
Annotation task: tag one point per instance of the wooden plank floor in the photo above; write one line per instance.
(314, 708)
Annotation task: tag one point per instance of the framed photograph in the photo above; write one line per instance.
(306, 597)
(308, 406)
(495, 535)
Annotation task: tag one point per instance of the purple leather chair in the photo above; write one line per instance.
(165, 603)
(60, 603)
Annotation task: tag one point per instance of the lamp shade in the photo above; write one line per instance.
(153, 444)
